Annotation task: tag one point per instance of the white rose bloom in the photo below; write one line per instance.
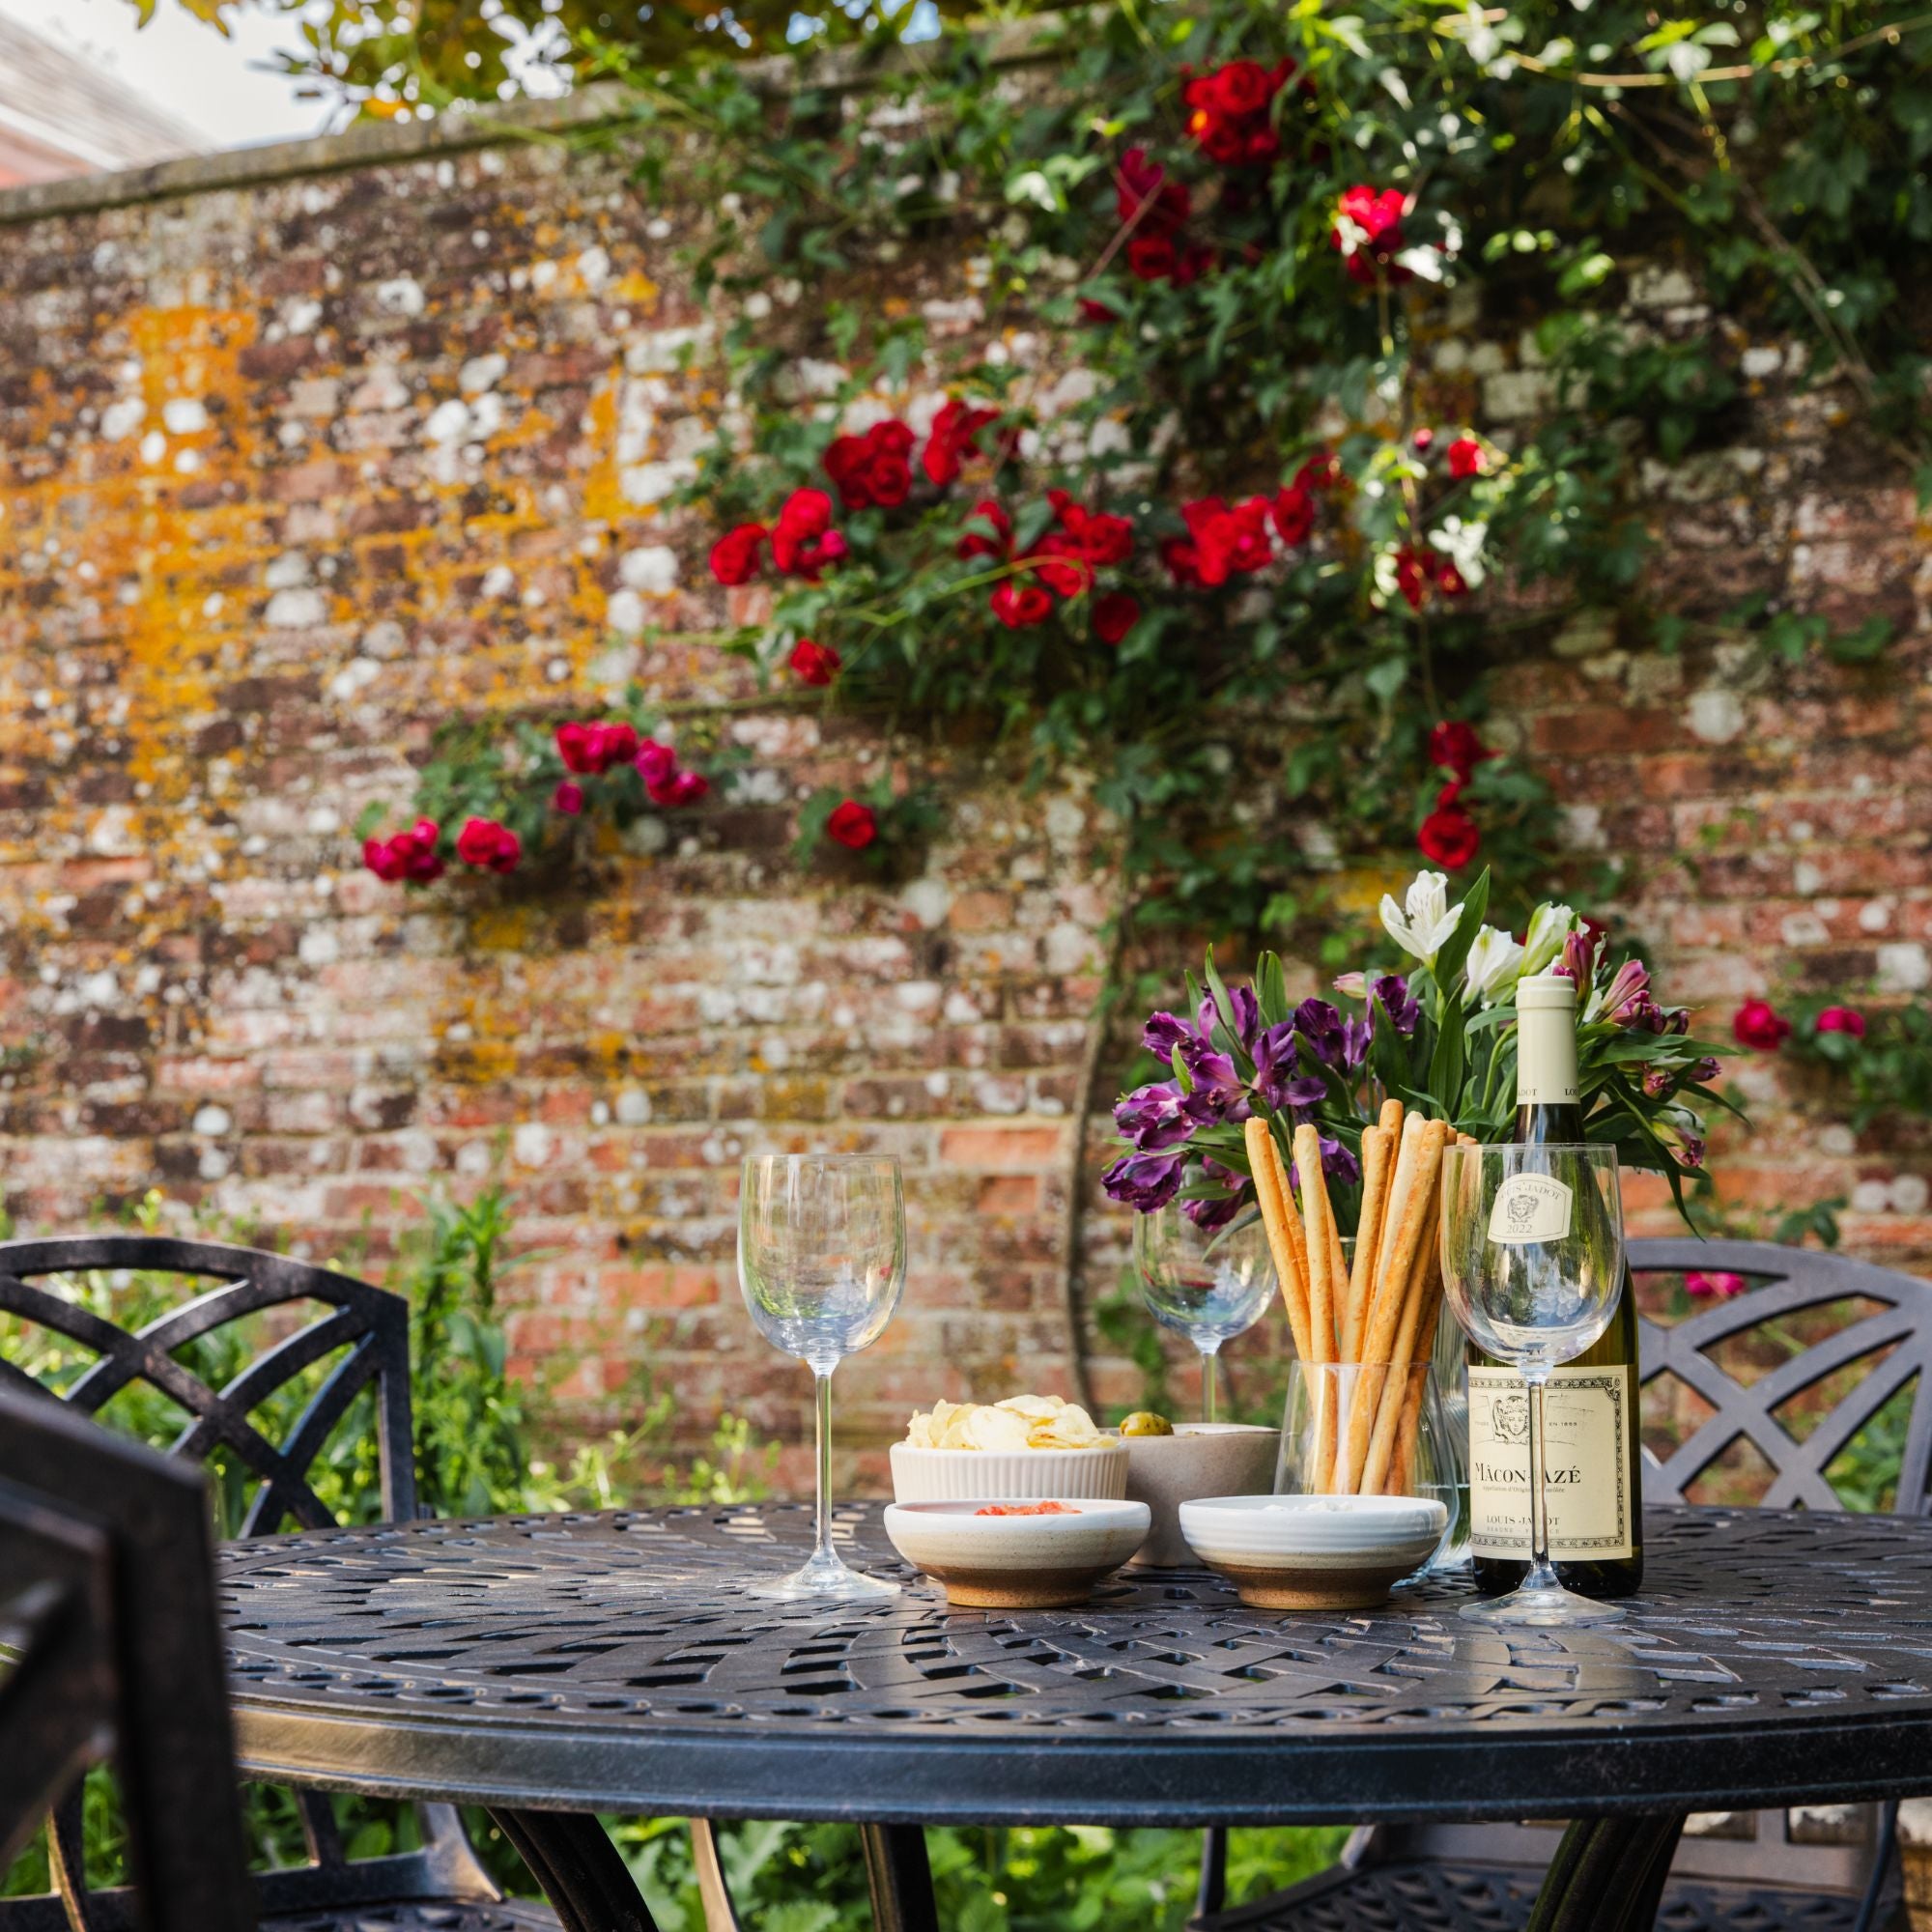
(1496, 964)
(1549, 926)
(1424, 923)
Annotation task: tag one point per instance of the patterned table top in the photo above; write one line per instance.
(614, 1662)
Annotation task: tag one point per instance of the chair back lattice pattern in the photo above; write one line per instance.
(1897, 1329)
(370, 1323)
(368, 1329)
(108, 1621)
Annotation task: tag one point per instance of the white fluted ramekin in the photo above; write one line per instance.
(1009, 1475)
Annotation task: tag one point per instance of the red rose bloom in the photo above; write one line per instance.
(1019, 606)
(1455, 746)
(1842, 1019)
(1114, 615)
(1367, 233)
(1229, 111)
(409, 856)
(815, 664)
(1101, 538)
(1412, 575)
(975, 543)
(734, 556)
(853, 825)
(678, 788)
(1448, 838)
(1151, 258)
(1062, 564)
(1465, 457)
(954, 436)
(872, 470)
(1142, 189)
(568, 799)
(592, 749)
(1757, 1024)
(1449, 580)
(1293, 513)
(655, 762)
(1321, 471)
(1220, 543)
(804, 542)
(490, 847)
(1097, 312)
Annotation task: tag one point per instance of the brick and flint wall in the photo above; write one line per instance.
(302, 452)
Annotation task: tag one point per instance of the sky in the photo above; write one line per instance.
(219, 86)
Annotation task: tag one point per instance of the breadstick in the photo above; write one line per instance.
(1402, 1468)
(1375, 1146)
(1284, 1230)
(1317, 1219)
(1390, 1121)
(1379, 1322)
(1411, 1222)
(1425, 1212)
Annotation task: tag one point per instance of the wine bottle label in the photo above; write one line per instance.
(1530, 1208)
(1589, 1416)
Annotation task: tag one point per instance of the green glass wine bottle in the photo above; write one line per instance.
(1593, 1475)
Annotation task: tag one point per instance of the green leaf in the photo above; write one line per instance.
(1445, 1068)
(1455, 950)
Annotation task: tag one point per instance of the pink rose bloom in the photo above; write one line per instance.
(1717, 1286)
(1842, 1019)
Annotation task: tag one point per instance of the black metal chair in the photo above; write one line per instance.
(443, 1885)
(109, 1647)
(1835, 1871)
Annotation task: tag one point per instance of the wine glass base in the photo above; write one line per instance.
(1543, 1609)
(824, 1581)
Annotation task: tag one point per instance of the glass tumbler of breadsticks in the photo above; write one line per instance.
(1364, 1413)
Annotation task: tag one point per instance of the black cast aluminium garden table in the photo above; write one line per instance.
(554, 1665)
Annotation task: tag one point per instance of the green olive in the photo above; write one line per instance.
(1145, 1422)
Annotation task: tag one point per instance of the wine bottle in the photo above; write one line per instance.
(1593, 1477)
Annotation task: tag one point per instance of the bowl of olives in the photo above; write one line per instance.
(1170, 1464)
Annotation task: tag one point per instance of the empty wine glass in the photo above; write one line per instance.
(1532, 1264)
(821, 1260)
(1210, 1285)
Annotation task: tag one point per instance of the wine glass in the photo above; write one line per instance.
(1209, 1284)
(1532, 1264)
(821, 1260)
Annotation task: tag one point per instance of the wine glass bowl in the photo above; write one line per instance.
(1210, 1285)
(821, 1265)
(1532, 1242)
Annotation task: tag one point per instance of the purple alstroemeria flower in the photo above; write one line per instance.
(1144, 1181)
(1279, 1087)
(1216, 1213)
(1392, 990)
(1706, 1069)
(1154, 1116)
(1657, 1081)
(1163, 1033)
(1219, 1089)
(1580, 955)
(1321, 1025)
(1690, 1152)
(1355, 1037)
(1247, 1018)
(1338, 1164)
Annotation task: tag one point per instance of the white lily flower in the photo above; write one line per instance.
(1549, 926)
(1423, 925)
(1494, 966)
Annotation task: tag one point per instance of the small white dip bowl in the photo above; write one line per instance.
(1009, 1475)
(1313, 1552)
(1016, 1562)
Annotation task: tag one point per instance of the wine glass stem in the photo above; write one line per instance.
(1542, 1574)
(1209, 1377)
(822, 1387)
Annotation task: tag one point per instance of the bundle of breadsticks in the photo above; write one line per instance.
(1375, 1320)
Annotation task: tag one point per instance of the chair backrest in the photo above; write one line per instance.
(107, 1614)
(372, 1324)
(1884, 1316)
(1895, 1325)
(364, 1332)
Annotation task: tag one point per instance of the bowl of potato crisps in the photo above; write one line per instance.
(1027, 1447)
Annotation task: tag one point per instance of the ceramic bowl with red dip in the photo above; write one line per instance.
(1017, 1552)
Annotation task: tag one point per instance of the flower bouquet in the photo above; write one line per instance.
(1435, 1030)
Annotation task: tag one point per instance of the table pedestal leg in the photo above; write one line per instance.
(900, 1878)
(571, 1858)
(1608, 1876)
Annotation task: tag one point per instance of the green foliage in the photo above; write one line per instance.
(1541, 177)
(1888, 1068)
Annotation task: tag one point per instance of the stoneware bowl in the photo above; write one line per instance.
(1007, 1475)
(1313, 1552)
(1200, 1459)
(1016, 1562)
